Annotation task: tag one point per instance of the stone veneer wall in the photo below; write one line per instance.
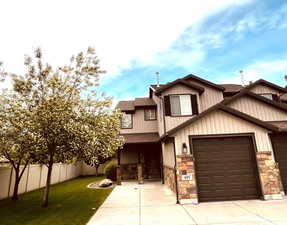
(169, 179)
(271, 184)
(187, 190)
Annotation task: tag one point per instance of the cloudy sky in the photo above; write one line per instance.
(134, 39)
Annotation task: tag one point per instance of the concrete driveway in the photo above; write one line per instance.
(154, 204)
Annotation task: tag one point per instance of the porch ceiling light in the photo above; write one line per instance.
(184, 148)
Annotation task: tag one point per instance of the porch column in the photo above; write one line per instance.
(187, 192)
(119, 176)
(269, 174)
(140, 169)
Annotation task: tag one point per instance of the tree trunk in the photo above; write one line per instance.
(48, 184)
(16, 186)
(97, 170)
(18, 177)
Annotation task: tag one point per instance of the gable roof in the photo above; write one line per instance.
(232, 88)
(267, 84)
(246, 92)
(161, 88)
(184, 81)
(224, 108)
(129, 106)
(203, 81)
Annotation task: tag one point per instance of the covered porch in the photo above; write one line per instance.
(140, 158)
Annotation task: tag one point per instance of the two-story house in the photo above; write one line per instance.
(208, 142)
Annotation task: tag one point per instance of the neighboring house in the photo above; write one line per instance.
(208, 142)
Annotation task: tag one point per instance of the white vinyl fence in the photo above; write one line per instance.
(35, 177)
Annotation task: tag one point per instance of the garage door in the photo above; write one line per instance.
(280, 147)
(225, 168)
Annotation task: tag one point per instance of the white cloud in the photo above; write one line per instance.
(269, 70)
(121, 31)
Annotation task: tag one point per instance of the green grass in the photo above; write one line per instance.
(70, 203)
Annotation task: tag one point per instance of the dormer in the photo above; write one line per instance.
(183, 99)
(266, 89)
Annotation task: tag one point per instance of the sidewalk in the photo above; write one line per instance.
(154, 204)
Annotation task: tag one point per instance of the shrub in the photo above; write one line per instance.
(111, 170)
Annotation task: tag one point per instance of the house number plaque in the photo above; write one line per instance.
(186, 177)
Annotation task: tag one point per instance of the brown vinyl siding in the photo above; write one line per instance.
(173, 121)
(168, 154)
(140, 125)
(129, 157)
(258, 109)
(209, 97)
(220, 122)
(261, 89)
(159, 112)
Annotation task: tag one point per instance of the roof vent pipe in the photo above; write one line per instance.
(242, 77)
(157, 79)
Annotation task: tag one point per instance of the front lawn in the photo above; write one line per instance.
(71, 203)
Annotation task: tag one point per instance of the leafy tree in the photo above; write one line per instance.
(67, 118)
(95, 161)
(16, 140)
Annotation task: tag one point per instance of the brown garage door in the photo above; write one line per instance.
(280, 147)
(225, 168)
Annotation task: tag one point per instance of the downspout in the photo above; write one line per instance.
(164, 132)
(174, 151)
(175, 173)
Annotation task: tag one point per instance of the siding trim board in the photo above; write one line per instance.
(161, 89)
(206, 82)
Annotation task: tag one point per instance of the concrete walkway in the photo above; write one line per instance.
(154, 204)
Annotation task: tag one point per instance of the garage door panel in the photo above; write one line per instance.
(232, 167)
(225, 168)
(280, 148)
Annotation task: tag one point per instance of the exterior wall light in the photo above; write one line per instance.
(184, 148)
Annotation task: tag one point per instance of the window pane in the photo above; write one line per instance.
(185, 105)
(175, 105)
(150, 114)
(153, 114)
(127, 121)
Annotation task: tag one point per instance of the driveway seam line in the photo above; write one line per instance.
(189, 215)
(139, 205)
(254, 213)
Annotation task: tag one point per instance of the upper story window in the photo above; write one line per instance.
(150, 114)
(267, 95)
(127, 121)
(180, 105)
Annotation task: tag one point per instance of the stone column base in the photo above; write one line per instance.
(187, 190)
(270, 178)
(188, 201)
(119, 178)
(273, 197)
